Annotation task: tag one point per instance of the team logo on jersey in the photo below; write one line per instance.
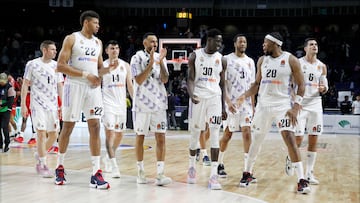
(201, 59)
(318, 68)
(282, 62)
(217, 62)
(92, 111)
(81, 42)
(304, 67)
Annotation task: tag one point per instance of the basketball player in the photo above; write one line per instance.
(46, 84)
(311, 115)
(114, 87)
(206, 87)
(150, 73)
(20, 137)
(240, 74)
(272, 82)
(81, 60)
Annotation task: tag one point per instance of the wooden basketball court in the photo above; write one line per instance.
(337, 168)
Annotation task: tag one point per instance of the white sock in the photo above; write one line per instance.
(140, 165)
(310, 162)
(60, 159)
(221, 157)
(95, 161)
(42, 161)
(160, 167)
(204, 152)
(192, 160)
(299, 169)
(214, 166)
(246, 155)
(114, 163)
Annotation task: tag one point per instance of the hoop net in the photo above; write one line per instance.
(176, 62)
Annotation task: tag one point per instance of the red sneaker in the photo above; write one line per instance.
(50, 149)
(32, 141)
(19, 139)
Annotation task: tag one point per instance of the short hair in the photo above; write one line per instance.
(86, 15)
(307, 40)
(148, 34)
(112, 42)
(238, 35)
(46, 43)
(213, 32)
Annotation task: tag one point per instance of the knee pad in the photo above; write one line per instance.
(214, 136)
(194, 139)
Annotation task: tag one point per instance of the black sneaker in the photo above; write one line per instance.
(221, 171)
(245, 180)
(6, 148)
(303, 187)
(253, 179)
(197, 155)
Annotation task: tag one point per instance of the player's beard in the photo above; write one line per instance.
(267, 53)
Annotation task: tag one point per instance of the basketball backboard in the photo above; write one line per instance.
(179, 49)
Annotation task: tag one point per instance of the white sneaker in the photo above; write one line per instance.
(214, 183)
(44, 171)
(115, 172)
(289, 169)
(311, 178)
(191, 178)
(161, 179)
(107, 165)
(141, 179)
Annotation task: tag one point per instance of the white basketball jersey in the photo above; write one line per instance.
(312, 74)
(275, 85)
(84, 56)
(240, 73)
(151, 95)
(114, 89)
(207, 74)
(43, 83)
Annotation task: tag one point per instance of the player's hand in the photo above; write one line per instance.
(24, 112)
(60, 113)
(232, 108)
(240, 100)
(163, 53)
(94, 80)
(224, 115)
(195, 99)
(293, 113)
(113, 64)
(322, 88)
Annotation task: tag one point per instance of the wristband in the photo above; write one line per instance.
(298, 99)
(85, 74)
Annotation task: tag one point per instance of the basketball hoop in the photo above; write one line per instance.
(176, 62)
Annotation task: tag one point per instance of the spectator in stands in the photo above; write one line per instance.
(330, 97)
(356, 105)
(172, 102)
(345, 106)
